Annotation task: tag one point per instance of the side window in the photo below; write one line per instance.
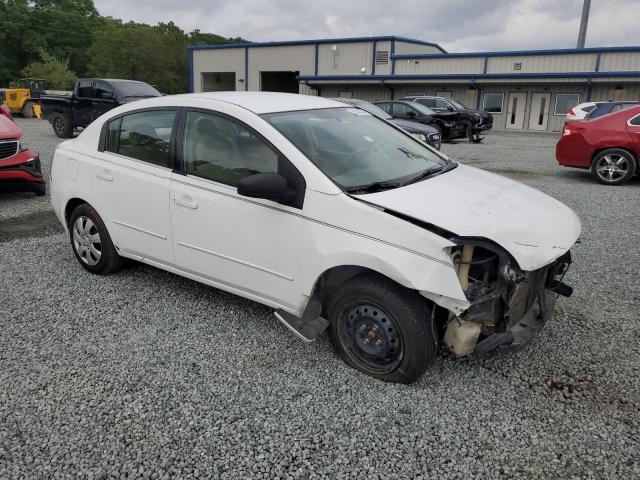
(113, 130)
(400, 109)
(441, 104)
(144, 136)
(101, 88)
(224, 151)
(84, 88)
(428, 102)
(385, 106)
(635, 121)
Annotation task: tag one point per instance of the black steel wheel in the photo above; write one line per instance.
(382, 328)
(371, 337)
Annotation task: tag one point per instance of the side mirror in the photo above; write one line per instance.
(107, 96)
(411, 114)
(451, 109)
(269, 186)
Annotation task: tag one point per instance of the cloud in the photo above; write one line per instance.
(457, 25)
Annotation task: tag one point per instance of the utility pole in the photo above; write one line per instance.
(582, 34)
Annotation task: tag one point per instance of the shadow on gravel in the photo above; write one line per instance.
(32, 225)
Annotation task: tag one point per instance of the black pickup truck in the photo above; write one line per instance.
(91, 98)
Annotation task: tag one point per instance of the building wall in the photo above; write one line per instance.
(620, 62)
(275, 59)
(218, 60)
(345, 58)
(542, 63)
(439, 65)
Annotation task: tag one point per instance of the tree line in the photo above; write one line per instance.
(59, 40)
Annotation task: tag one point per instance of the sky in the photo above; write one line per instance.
(456, 25)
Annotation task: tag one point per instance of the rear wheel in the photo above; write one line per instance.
(613, 166)
(61, 126)
(382, 329)
(27, 110)
(91, 242)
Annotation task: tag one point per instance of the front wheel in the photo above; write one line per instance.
(613, 166)
(91, 242)
(382, 329)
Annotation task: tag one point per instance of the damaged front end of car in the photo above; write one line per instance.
(507, 306)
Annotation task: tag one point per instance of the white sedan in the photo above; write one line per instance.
(324, 212)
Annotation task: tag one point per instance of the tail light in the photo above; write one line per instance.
(568, 130)
(571, 113)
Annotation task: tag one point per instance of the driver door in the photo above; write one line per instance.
(244, 245)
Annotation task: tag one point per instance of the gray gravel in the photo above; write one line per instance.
(144, 374)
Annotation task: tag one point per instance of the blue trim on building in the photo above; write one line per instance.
(597, 69)
(246, 68)
(473, 76)
(316, 59)
(190, 60)
(373, 57)
(486, 63)
(518, 53)
(393, 53)
(318, 41)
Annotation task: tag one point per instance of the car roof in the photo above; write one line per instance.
(270, 102)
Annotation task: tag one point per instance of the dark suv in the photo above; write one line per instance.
(475, 121)
(444, 122)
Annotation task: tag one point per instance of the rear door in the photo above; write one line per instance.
(633, 127)
(131, 182)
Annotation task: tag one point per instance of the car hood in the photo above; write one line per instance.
(533, 227)
(413, 127)
(8, 129)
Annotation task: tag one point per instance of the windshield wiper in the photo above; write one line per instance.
(373, 187)
(422, 175)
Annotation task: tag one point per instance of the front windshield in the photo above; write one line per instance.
(357, 150)
(457, 104)
(135, 89)
(422, 108)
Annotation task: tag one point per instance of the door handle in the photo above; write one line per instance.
(104, 175)
(185, 201)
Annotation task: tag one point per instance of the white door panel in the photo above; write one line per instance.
(516, 104)
(247, 244)
(136, 197)
(539, 116)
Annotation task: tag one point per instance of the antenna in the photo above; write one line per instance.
(582, 33)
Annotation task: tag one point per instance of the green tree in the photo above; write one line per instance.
(53, 69)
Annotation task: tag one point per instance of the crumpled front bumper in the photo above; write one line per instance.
(523, 330)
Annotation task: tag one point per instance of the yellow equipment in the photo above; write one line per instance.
(23, 96)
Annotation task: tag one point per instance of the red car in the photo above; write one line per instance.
(4, 110)
(608, 145)
(19, 167)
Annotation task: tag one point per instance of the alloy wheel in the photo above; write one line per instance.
(86, 240)
(612, 167)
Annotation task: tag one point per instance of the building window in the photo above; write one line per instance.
(382, 57)
(492, 102)
(564, 101)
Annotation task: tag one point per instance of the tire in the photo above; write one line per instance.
(613, 166)
(61, 125)
(27, 110)
(382, 329)
(84, 224)
(40, 190)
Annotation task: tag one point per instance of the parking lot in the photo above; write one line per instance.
(147, 374)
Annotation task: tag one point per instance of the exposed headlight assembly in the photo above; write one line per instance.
(419, 136)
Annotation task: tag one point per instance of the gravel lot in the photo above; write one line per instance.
(146, 374)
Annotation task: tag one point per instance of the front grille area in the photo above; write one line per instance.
(8, 148)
